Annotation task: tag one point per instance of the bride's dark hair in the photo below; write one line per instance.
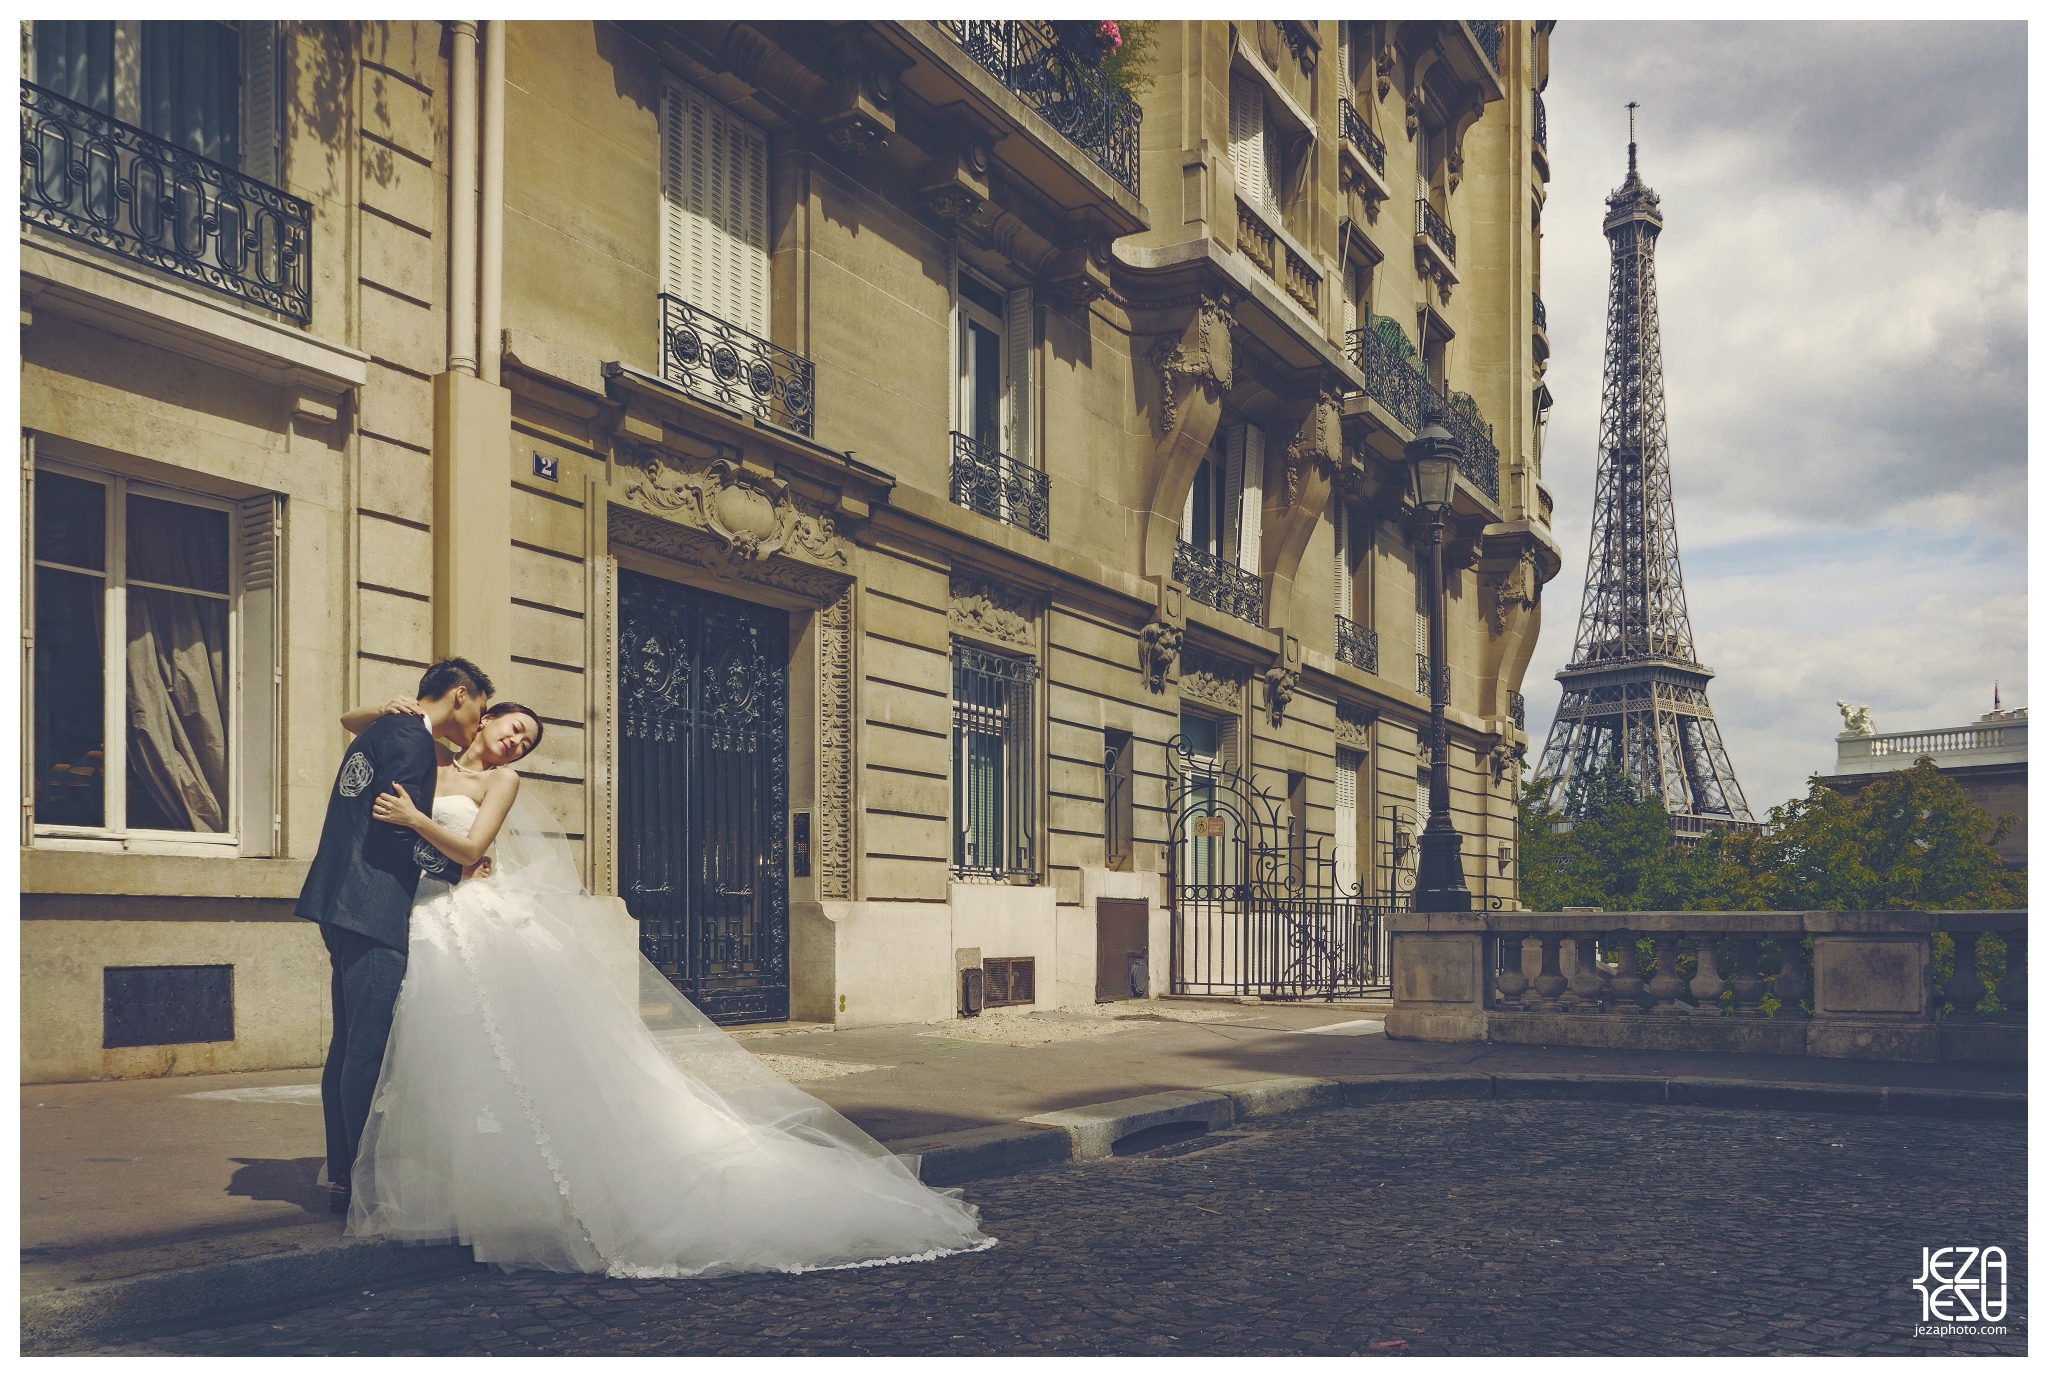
(508, 706)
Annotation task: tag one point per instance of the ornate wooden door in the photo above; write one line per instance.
(703, 793)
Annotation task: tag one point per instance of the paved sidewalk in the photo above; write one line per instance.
(134, 1179)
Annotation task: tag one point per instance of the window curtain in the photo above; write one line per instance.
(177, 673)
(191, 87)
(75, 58)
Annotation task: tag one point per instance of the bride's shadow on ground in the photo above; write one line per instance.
(294, 1180)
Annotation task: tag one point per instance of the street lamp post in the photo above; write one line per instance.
(1440, 875)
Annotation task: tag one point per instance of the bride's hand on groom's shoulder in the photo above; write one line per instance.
(397, 807)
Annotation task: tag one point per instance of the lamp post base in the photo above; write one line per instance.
(1439, 877)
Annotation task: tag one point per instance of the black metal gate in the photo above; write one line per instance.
(1257, 909)
(703, 793)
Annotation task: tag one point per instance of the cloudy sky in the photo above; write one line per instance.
(1843, 288)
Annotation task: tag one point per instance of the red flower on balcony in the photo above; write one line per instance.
(1110, 35)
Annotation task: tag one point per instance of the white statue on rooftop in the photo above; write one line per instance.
(1856, 719)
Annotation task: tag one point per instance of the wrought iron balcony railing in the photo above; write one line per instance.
(1542, 124)
(1422, 673)
(125, 190)
(1359, 136)
(1487, 33)
(1542, 316)
(1094, 113)
(1214, 583)
(1382, 352)
(988, 481)
(1358, 645)
(1428, 222)
(1478, 456)
(1518, 710)
(735, 368)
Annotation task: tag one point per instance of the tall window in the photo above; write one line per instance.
(1117, 811)
(714, 203)
(1344, 827)
(994, 349)
(1208, 746)
(151, 606)
(993, 823)
(1221, 515)
(207, 86)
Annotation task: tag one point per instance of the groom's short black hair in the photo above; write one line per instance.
(444, 675)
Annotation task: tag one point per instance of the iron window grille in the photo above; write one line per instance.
(1542, 124)
(94, 179)
(1518, 710)
(1429, 222)
(988, 481)
(1358, 645)
(1116, 800)
(1478, 456)
(1214, 582)
(1360, 136)
(735, 368)
(1068, 88)
(1422, 673)
(1542, 316)
(993, 825)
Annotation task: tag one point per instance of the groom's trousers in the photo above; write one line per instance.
(364, 986)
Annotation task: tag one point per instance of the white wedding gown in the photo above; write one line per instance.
(527, 1108)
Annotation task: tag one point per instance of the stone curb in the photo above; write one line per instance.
(1083, 1133)
(191, 1295)
(1090, 1132)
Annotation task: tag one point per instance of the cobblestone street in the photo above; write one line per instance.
(1435, 1228)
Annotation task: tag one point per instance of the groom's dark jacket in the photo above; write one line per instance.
(365, 872)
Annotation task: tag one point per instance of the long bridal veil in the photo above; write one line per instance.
(538, 1106)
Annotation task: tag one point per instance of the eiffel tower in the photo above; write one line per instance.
(1635, 693)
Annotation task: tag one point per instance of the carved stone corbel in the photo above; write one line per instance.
(1519, 587)
(1200, 354)
(854, 115)
(1319, 443)
(1280, 686)
(955, 183)
(1159, 647)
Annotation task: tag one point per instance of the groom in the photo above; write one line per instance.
(360, 892)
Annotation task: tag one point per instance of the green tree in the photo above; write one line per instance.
(1130, 66)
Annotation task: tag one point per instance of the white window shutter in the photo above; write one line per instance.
(1230, 518)
(1341, 526)
(714, 208)
(1344, 41)
(1344, 827)
(1187, 507)
(1253, 500)
(1248, 156)
(262, 124)
(1022, 330)
(260, 672)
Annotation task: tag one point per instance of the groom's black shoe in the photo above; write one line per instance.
(337, 1197)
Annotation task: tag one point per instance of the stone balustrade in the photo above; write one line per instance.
(1865, 991)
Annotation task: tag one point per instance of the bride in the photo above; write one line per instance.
(529, 1108)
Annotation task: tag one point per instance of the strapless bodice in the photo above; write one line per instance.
(455, 811)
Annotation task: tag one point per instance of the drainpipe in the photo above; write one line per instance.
(491, 314)
(462, 349)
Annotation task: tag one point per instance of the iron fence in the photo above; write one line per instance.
(1361, 137)
(1259, 908)
(1383, 354)
(125, 190)
(1428, 222)
(1542, 316)
(1542, 124)
(1218, 584)
(1075, 96)
(1478, 456)
(988, 481)
(1486, 32)
(735, 368)
(1358, 645)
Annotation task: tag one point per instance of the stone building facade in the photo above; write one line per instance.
(870, 447)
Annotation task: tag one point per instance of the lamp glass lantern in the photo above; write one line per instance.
(1433, 460)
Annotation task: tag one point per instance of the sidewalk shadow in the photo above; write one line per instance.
(294, 1180)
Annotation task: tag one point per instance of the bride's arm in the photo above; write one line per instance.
(355, 719)
(463, 849)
